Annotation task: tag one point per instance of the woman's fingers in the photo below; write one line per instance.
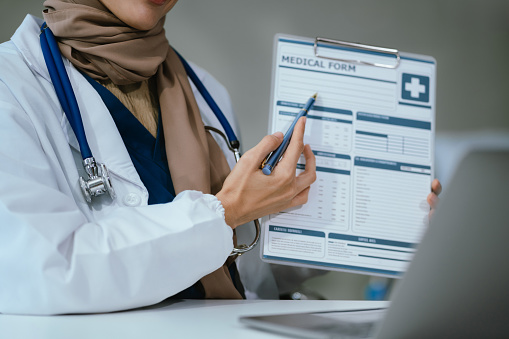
(308, 176)
(248, 194)
(301, 198)
(436, 187)
(254, 157)
(295, 147)
(433, 200)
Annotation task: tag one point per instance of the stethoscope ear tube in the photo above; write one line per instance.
(233, 141)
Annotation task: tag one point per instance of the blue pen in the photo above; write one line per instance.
(269, 164)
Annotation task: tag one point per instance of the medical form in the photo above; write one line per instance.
(372, 132)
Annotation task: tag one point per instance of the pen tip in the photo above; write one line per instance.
(314, 95)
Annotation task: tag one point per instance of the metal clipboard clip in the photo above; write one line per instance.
(383, 50)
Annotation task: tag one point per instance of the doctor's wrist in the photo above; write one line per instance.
(229, 210)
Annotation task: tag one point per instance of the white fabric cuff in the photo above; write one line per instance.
(210, 200)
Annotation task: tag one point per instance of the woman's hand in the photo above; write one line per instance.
(248, 194)
(432, 198)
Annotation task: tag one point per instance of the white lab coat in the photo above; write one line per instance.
(57, 253)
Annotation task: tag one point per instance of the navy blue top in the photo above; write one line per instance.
(148, 155)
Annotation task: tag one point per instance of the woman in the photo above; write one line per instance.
(121, 253)
(163, 235)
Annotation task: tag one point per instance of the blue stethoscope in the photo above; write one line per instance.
(99, 181)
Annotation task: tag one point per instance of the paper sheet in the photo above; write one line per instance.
(371, 130)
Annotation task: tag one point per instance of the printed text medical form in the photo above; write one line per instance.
(371, 130)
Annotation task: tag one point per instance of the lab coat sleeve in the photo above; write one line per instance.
(53, 260)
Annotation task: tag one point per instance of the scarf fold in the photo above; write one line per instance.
(101, 45)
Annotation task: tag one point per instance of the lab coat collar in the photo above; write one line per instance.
(102, 134)
(26, 38)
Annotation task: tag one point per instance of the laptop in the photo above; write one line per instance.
(457, 285)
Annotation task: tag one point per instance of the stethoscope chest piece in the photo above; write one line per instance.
(98, 181)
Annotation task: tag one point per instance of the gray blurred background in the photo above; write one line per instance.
(233, 40)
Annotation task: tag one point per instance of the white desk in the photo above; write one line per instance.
(178, 319)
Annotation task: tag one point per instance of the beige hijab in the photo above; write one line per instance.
(101, 45)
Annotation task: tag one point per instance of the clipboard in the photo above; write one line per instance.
(372, 132)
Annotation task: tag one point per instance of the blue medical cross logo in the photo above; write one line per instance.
(415, 87)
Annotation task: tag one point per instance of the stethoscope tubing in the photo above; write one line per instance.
(233, 141)
(63, 88)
